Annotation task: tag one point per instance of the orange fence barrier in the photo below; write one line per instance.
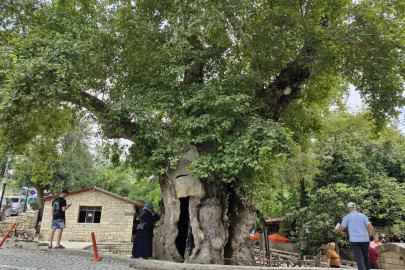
(96, 257)
(7, 234)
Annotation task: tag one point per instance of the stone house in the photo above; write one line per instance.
(110, 216)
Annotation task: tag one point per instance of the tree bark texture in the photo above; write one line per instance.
(40, 195)
(205, 228)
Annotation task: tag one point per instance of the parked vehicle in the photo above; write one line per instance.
(18, 204)
(5, 210)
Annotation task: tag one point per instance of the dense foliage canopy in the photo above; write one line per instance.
(216, 74)
(247, 82)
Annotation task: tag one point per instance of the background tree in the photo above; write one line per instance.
(32, 168)
(77, 162)
(73, 169)
(366, 170)
(226, 77)
(54, 165)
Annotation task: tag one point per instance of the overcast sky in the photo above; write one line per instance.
(354, 100)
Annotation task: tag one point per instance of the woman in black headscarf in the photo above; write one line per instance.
(144, 236)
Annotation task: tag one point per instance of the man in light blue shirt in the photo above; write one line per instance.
(358, 225)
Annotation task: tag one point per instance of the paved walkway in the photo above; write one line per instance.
(12, 258)
(28, 256)
(70, 245)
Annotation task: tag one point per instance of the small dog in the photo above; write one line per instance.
(381, 238)
(28, 234)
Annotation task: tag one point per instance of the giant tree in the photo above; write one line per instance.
(214, 86)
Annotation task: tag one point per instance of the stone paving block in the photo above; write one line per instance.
(70, 259)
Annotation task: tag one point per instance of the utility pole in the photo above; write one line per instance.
(4, 180)
(306, 226)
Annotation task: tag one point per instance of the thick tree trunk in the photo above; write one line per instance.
(303, 193)
(242, 221)
(40, 195)
(204, 228)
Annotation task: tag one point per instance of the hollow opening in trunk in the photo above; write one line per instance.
(182, 241)
(230, 191)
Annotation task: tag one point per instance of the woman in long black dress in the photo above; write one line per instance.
(144, 236)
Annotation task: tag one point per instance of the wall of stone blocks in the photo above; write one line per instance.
(290, 247)
(115, 225)
(346, 254)
(392, 256)
(382, 230)
(24, 220)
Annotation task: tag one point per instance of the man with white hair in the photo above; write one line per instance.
(358, 225)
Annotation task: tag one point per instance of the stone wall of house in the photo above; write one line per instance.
(392, 256)
(115, 225)
(24, 220)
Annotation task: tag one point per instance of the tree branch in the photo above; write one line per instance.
(194, 74)
(284, 89)
(329, 158)
(92, 103)
(287, 86)
(113, 129)
(246, 42)
(334, 145)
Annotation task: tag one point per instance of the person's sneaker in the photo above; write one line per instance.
(59, 247)
(49, 247)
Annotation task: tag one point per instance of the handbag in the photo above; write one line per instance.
(140, 226)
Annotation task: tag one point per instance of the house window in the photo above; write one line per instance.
(90, 214)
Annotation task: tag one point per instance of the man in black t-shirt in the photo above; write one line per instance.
(58, 218)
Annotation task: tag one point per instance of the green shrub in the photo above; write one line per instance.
(34, 205)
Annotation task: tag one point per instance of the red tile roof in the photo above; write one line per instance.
(137, 204)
